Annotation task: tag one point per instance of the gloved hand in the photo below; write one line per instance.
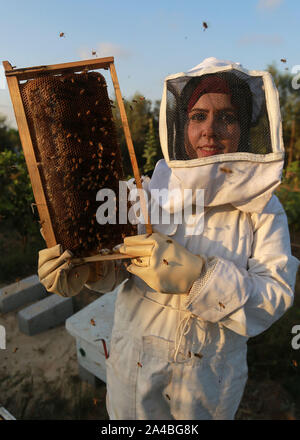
(162, 263)
(59, 276)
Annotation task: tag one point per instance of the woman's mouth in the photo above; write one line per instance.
(209, 150)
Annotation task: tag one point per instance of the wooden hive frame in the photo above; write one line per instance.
(14, 76)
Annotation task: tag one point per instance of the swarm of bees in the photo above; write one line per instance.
(76, 146)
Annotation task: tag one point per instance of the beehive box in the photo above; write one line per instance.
(75, 143)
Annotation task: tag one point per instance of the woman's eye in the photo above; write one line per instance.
(198, 117)
(228, 118)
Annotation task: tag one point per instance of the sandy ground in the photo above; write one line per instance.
(39, 379)
(39, 374)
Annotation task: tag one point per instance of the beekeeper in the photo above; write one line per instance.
(192, 299)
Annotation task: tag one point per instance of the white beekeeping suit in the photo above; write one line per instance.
(246, 284)
(183, 356)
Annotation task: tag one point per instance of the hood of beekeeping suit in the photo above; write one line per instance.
(245, 177)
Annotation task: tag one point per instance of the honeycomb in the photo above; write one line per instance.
(74, 138)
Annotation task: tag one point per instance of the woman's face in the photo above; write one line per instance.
(213, 126)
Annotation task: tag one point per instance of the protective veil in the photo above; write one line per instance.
(184, 356)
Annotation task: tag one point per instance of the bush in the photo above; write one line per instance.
(289, 194)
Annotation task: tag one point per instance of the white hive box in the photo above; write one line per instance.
(88, 326)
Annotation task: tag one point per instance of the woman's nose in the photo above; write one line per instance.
(209, 127)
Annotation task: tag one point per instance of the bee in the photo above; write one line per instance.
(92, 321)
(226, 170)
(198, 355)
(94, 52)
(165, 261)
(104, 348)
(168, 397)
(283, 60)
(295, 363)
(139, 364)
(134, 100)
(169, 241)
(62, 34)
(131, 108)
(15, 349)
(204, 25)
(221, 305)
(82, 91)
(142, 98)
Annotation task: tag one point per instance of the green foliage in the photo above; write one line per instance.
(20, 238)
(151, 149)
(289, 193)
(9, 137)
(289, 99)
(139, 111)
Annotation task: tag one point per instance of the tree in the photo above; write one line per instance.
(138, 111)
(16, 194)
(289, 99)
(151, 149)
(9, 137)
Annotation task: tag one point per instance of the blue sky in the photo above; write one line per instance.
(149, 39)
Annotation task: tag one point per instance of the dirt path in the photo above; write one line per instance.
(39, 376)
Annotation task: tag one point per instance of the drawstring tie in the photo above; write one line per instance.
(183, 328)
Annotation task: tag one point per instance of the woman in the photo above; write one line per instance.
(184, 315)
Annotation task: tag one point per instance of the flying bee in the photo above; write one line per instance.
(62, 34)
(94, 52)
(165, 261)
(204, 25)
(134, 100)
(283, 60)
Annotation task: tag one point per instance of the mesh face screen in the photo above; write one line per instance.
(216, 113)
(74, 138)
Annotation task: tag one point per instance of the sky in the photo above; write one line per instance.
(149, 40)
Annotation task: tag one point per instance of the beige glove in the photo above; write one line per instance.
(58, 275)
(163, 264)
